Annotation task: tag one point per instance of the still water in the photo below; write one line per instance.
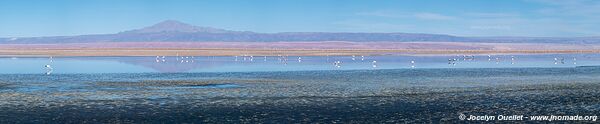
(170, 64)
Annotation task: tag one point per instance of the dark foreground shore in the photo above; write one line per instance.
(390, 109)
(364, 96)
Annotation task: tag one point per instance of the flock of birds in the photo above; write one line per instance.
(337, 63)
(281, 58)
(453, 61)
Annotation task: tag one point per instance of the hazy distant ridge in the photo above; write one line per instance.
(174, 31)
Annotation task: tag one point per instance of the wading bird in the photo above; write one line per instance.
(374, 63)
(337, 64)
(512, 60)
(49, 69)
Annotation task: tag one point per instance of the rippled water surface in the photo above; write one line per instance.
(291, 90)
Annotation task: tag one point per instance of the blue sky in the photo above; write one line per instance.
(560, 18)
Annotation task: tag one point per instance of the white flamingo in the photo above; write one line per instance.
(49, 69)
(512, 60)
(374, 63)
(337, 64)
(497, 60)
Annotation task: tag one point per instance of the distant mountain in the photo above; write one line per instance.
(172, 26)
(174, 31)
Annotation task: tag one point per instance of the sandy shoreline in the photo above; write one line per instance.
(259, 52)
(331, 48)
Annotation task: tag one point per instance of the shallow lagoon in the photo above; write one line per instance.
(222, 90)
(184, 64)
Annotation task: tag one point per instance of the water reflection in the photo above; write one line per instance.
(246, 63)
